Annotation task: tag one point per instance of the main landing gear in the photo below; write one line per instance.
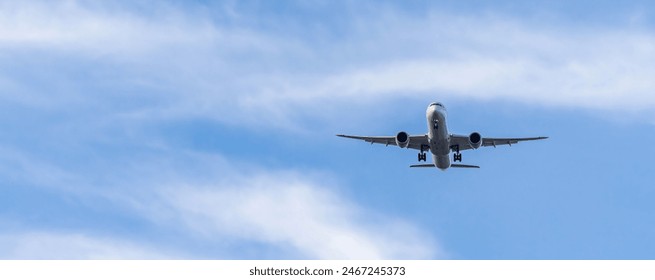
(457, 156)
(422, 156)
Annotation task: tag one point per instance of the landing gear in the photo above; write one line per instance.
(422, 156)
(436, 125)
(457, 156)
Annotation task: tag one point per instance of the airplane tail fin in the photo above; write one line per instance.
(452, 165)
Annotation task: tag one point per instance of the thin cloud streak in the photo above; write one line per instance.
(95, 29)
(180, 64)
(299, 212)
(601, 69)
(294, 213)
(207, 69)
(211, 201)
(55, 245)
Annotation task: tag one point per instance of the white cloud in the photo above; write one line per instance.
(203, 67)
(17, 166)
(289, 212)
(50, 245)
(98, 29)
(178, 63)
(492, 58)
(209, 201)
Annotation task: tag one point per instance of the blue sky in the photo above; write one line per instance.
(181, 129)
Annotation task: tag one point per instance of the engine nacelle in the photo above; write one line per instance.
(402, 139)
(475, 139)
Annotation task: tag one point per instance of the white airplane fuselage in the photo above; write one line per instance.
(438, 136)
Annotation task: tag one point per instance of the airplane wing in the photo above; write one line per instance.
(415, 141)
(463, 142)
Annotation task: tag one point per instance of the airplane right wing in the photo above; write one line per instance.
(415, 141)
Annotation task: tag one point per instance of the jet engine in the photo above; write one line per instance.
(475, 140)
(402, 139)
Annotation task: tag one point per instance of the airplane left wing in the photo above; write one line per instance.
(463, 142)
(415, 141)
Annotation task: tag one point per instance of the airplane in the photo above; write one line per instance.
(439, 142)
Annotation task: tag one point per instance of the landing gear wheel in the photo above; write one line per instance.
(422, 157)
(457, 157)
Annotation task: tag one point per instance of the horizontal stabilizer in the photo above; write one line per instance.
(452, 165)
(423, 165)
(464, 166)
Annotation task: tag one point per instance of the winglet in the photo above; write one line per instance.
(348, 136)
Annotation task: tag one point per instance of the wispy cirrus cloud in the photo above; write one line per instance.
(299, 213)
(56, 245)
(89, 77)
(86, 28)
(495, 58)
(207, 201)
(294, 214)
(228, 69)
